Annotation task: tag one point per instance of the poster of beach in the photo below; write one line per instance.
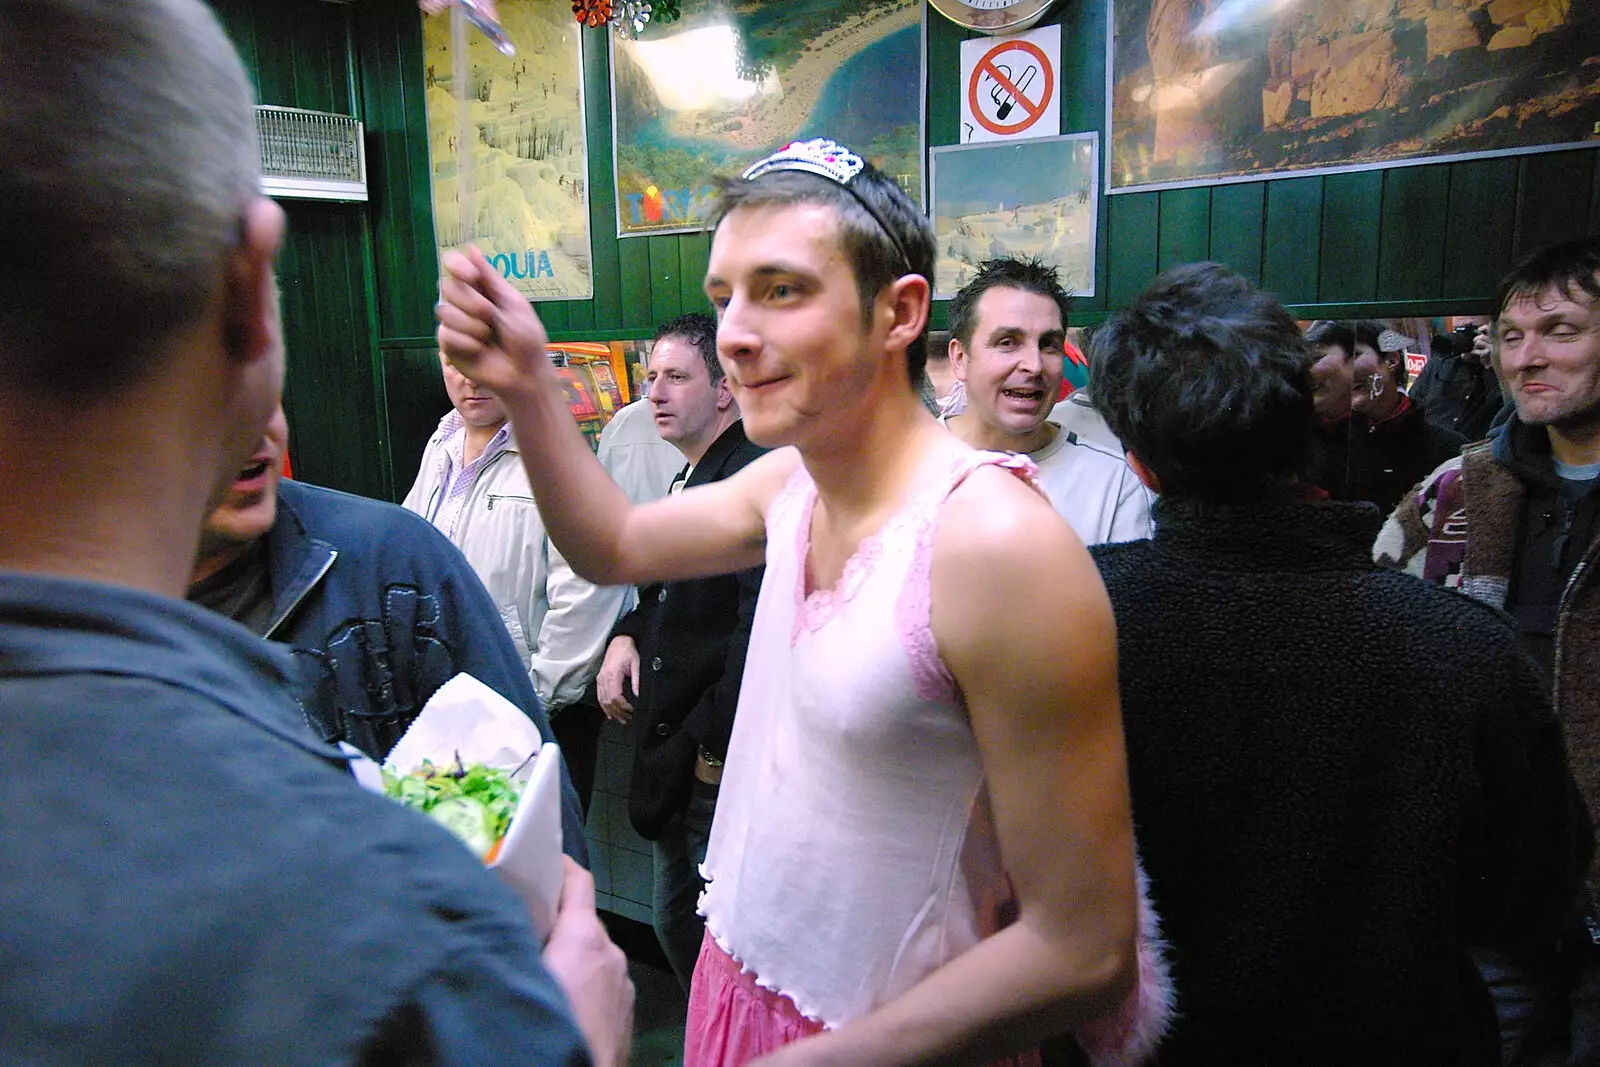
(529, 159)
(730, 82)
(1034, 198)
(1207, 90)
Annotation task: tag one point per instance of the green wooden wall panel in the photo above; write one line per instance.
(1550, 205)
(1411, 234)
(553, 313)
(694, 252)
(416, 402)
(1133, 230)
(1594, 200)
(1477, 240)
(943, 100)
(332, 400)
(1238, 213)
(602, 194)
(1351, 208)
(389, 39)
(1293, 232)
(1083, 66)
(580, 316)
(1185, 226)
(633, 255)
(666, 269)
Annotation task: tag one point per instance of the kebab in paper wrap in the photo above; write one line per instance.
(473, 734)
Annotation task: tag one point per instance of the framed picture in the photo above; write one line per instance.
(1036, 198)
(1207, 91)
(528, 181)
(725, 84)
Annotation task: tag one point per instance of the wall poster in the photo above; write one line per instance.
(1209, 90)
(1016, 198)
(530, 165)
(728, 83)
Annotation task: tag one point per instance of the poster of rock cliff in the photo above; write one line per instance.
(733, 80)
(529, 164)
(1204, 90)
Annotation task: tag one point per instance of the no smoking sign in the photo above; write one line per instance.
(1008, 87)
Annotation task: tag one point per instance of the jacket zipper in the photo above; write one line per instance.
(505, 496)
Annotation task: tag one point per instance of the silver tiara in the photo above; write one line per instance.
(819, 156)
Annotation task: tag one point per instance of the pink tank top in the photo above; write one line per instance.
(853, 852)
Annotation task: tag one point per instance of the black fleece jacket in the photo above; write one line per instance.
(1342, 778)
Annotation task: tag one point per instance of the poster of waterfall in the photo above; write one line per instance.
(1218, 90)
(529, 159)
(727, 83)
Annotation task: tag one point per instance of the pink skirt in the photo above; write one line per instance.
(733, 1021)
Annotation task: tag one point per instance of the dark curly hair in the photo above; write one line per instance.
(1207, 381)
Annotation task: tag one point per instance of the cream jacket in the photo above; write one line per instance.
(558, 621)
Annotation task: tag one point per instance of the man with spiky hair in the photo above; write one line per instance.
(1008, 332)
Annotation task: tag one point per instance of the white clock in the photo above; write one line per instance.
(992, 16)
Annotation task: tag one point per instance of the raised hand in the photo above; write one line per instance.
(487, 328)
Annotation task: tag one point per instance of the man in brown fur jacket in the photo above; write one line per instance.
(1515, 521)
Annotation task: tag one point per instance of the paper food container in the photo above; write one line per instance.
(467, 719)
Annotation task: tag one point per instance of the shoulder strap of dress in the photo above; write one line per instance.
(1018, 464)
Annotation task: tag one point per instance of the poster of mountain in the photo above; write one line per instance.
(529, 158)
(1207, 90)
(734, 80)
(1034, 198)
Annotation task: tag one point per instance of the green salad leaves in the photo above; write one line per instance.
(474, 802)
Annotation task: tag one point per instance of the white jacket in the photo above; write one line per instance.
(558, 621)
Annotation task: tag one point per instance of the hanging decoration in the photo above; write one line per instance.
(592, 12)
(630, 16)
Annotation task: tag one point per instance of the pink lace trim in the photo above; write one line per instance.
(913, 611)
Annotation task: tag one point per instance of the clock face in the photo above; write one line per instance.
(992, 16)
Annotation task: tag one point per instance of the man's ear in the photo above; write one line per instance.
(907, 298)
(1145, 474)
(251, 325)
(724, 394)
(958, 359)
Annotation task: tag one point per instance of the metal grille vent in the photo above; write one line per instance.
(310, 155)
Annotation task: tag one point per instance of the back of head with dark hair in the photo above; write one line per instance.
(1029, 275)
(1569, 267)
(700, 330)
(873, 254)
(1207, 381)
(129, 159)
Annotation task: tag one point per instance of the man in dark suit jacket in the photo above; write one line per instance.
(682, 649)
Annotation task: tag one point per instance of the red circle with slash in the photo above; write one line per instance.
(1030, 110)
